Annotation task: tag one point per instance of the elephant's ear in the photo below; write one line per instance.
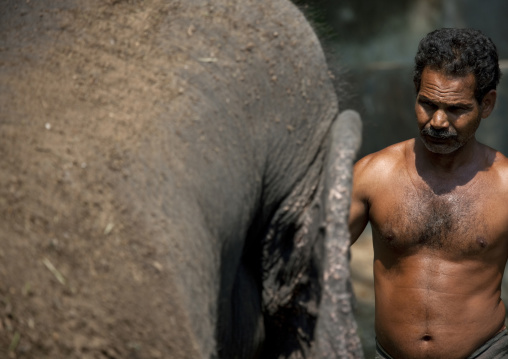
(336, 330)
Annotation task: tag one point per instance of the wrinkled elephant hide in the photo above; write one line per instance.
(165, 189)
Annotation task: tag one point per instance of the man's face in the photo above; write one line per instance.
(447, 112)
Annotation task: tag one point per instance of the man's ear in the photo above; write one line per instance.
(488, 102)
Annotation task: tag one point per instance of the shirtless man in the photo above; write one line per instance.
(438, 207)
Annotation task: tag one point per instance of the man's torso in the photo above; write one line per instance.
(440, 253)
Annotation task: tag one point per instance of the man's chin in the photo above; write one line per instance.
(442, 148)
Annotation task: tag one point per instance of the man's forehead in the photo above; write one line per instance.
(438, 83)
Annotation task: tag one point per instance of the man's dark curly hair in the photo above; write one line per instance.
(459, 52)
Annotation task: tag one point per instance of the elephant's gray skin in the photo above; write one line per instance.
(162, 182)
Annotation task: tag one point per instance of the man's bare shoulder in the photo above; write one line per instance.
(382, 163)
(499, 165)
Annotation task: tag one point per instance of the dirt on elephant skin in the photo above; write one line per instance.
(73, 227)
(67, 243)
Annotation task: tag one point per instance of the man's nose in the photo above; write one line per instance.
(439, 120)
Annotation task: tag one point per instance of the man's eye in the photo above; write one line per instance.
(428, 105)
(455, 109)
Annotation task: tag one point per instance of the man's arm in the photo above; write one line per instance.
(359, 210)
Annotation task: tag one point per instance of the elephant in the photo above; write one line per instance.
(174, 182)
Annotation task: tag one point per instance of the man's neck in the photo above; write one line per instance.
(447, 164)
(444, 172)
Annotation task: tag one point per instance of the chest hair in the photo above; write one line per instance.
(424, 219)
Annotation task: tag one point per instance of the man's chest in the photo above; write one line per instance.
(461, 222)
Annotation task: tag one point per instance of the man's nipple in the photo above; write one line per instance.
(482, 242)
(389, 236)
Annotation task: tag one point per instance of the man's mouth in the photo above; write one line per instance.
(438, 136)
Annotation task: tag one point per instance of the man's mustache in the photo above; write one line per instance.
(443, 134)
